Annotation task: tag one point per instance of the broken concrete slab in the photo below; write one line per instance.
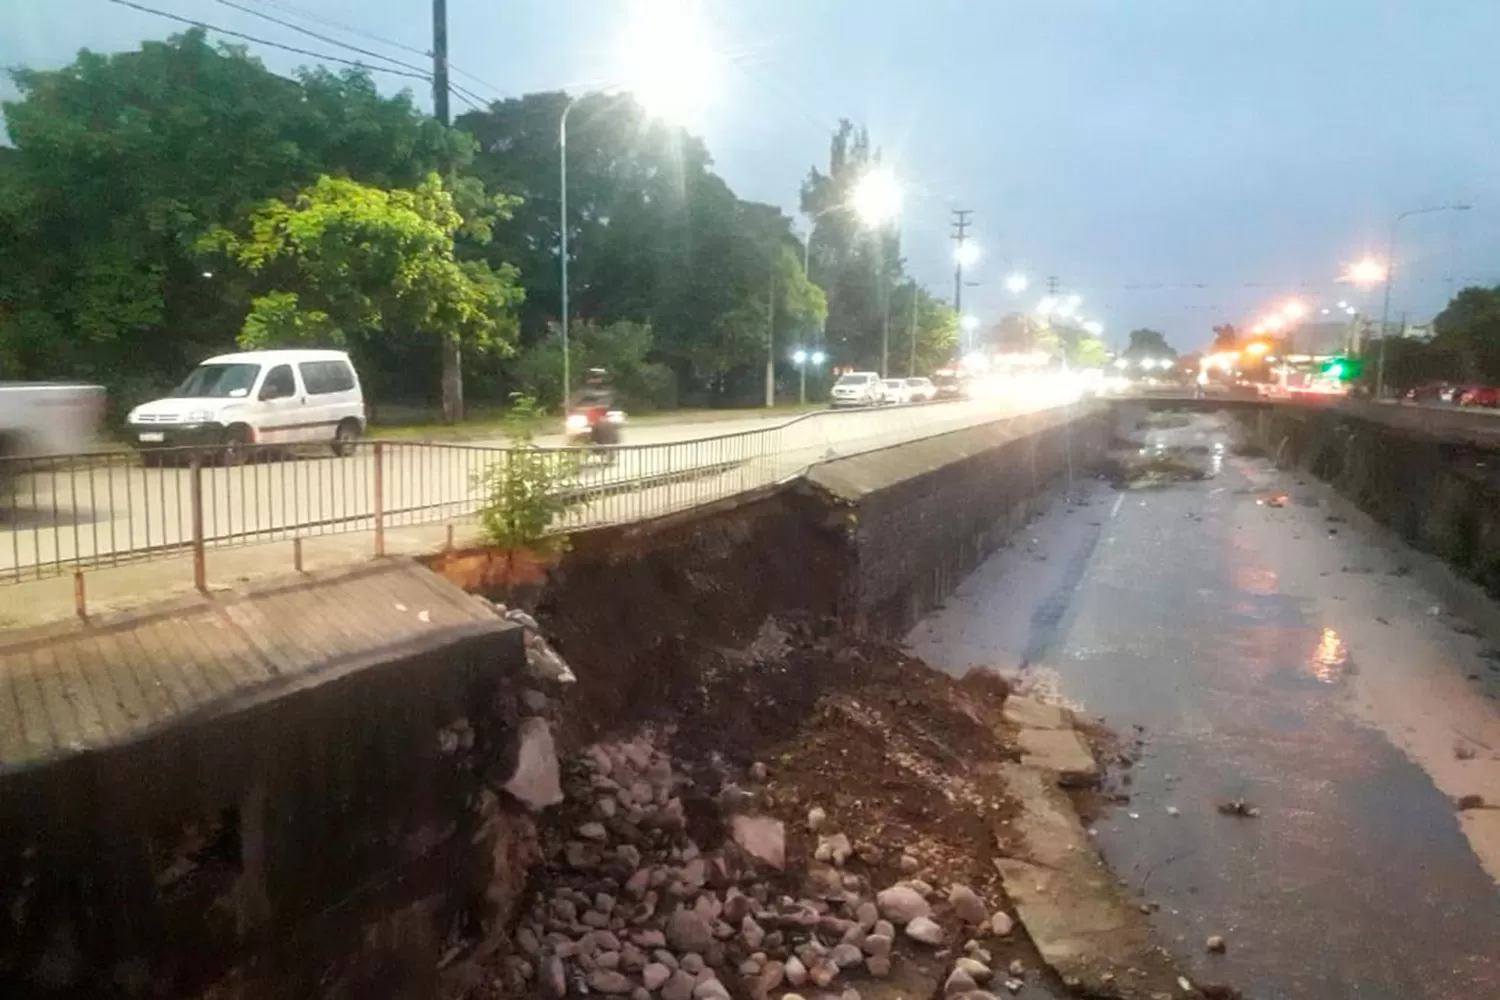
(1028, 713)
(1069, 901)
(1061, 751)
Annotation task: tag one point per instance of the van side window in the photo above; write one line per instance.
(324, 377)
(279, 383)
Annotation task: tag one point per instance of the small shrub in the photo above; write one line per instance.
(530, 488)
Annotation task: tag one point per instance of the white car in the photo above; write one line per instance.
(38, 418)
(857, 389)
(232, 402)
(897, 391)
(921, 390)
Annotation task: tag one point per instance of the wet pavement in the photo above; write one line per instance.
(1260, 648)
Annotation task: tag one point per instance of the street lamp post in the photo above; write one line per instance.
(1390, 276)
(802, 357)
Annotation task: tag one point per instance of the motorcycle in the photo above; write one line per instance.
(593, 427)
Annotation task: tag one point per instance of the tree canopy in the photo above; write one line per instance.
(1148, 343)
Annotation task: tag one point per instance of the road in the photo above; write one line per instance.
(1262, 648)
(108, 510)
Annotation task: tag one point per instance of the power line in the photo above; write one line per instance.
(320, 37)
(308, 15)
(265, 41)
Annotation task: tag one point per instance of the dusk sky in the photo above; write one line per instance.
(1177, 163)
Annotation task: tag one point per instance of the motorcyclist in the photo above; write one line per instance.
(595, 393)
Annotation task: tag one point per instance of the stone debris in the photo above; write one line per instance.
(967, 905)
(1238, 807)
(1216, 945)
(901, 904)
(925, 930)
(1001, 924)
(1466, 802)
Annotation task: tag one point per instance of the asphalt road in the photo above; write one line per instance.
(107, 510)
(1257, 649)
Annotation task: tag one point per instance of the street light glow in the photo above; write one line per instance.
(1294, 310)
(1273, 322)
(1256, 347)
(667, 59)
(818, 357)
(876, 198)
(1016, 284)
(967, 254)
(1366, 271)
(970, 323)
(799, 356)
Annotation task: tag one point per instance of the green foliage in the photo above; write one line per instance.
(1469, 327)
(530, 488)
(622, 348)
(347, 262)
(1148, 343)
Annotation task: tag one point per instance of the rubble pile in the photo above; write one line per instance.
(657, 888)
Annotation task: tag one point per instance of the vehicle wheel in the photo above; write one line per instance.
(345, 437)
(234, 447)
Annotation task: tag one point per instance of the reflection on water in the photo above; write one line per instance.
(1330, 661)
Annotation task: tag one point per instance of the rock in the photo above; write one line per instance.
(846, 956)
(554, 977)
(901, 904)
(977, 970)
(1014, 985)
(761, 837)
(884, 928)
(544, 664)
(958, 981)
(796, 972)
(1238, 807)
(758, 772)
(823, 973)
(679, 987)
(1001, 924)
(1466, 802)
(688, 930)
(878, 966)
(1216, 945)
(877, 944)
(710, 989)
(1017, 969)
(635, 886)
(536, 783)
(925, 930)
(604, 902)
(771, 976)
(593, 831)
(751, 933)
(640, 993)
(526, 940)
(654, 975)
(835, 848)
(867, 913)
(665, 957)
(609, 981)
(908, 864)
(1173, 811)
(816, 817)
(967, 905)
(692, 963)
(649, 939)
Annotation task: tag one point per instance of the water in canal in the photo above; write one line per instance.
(1265, 649)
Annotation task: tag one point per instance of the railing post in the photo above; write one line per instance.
(379, 486)
(80, 601)
(200, 570)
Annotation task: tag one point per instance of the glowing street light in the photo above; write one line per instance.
(1274, 322)
(1257, 347)
(876, 197)
(1365, 272)
(966, 254)
(1294, 310)
(802, 358)
(1016, 284)
(970, 323)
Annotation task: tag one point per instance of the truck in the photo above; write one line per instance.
(44, 418)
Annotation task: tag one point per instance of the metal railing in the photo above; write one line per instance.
(68, 513)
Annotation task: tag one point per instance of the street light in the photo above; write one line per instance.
(876, 197)
(801, 358)
(1016, 284)
(1390, 277)
(671, 66)
(1294, 310)
(966, 254)
(1365, 272)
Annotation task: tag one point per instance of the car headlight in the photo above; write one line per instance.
(577, 422)
(200, 416)
(615, 416)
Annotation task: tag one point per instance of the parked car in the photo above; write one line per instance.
(1480, 395)
(950, 384)
(921, 390)
(233, 402)
(39, 418)
(857, 389)
(897, 392)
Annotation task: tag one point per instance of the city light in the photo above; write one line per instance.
(1016, 284)
(1273, 322)
(1294, 310)
(667, 59)
(876, 198)
(1366, 271)
(970, 323)
(799, 356)
(1351, 310)
(1343, 305)
(1256, 347)
(967, 254)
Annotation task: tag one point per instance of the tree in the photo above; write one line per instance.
(121, 165)
(1148, 343)
(1226, 338)
(621, 348)
(351, 265)
(1469, 327)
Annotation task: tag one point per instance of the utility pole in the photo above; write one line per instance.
(911, 364)
(1052, 286)
(960, 237)
(771, 345)
(453, 372)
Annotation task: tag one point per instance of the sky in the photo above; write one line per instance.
(1174, 163)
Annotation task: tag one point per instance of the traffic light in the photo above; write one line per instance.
(1342, 369)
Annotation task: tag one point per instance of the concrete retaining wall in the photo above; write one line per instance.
(332, 837)
(922, 516)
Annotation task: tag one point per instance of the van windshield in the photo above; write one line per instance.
(863, 379)
(217, 382)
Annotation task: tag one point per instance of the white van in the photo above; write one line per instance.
(234, 401)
